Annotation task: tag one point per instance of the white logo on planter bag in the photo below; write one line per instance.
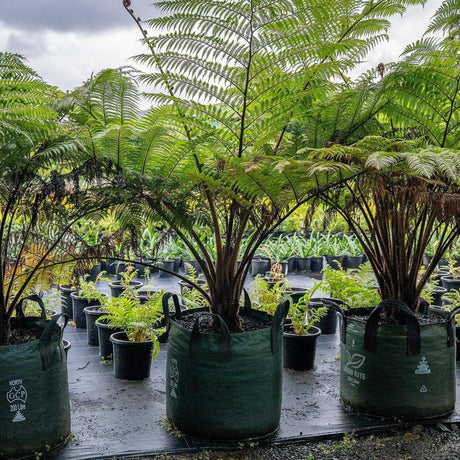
(423, 389)
(17, 398)
(423, 367)
(355, 361)
(351, 366)
(173, 377)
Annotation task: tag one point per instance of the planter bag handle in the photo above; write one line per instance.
(412, 325)
(336, 305)
(224, 348)
(247, 307)
(450, 329)
(165, 305)
(51, 326)
(278, 320)
(47, 340)
(20, 312)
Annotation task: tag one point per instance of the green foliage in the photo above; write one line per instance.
(427, 82)
(267, 297)
(453, 268)
(350, 113)
(229, 81)
(354, 287)
(304, 317)
(428, 291)
(46, 185)
(190, 295)
(277, 249)
(139, 321)
(453, 301)
(87, 288)
(128, 275)
(396, 197)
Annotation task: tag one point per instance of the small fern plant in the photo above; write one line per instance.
(302, 317)
(267, 297)
(139, 321)
(354, 287)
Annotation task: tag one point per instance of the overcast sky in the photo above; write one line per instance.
(66, 40)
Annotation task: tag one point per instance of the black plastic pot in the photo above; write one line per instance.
(140, 267)
(443, 262)
(103, 335)
(299, 351)
(66, 301)
(94, 272)
(438, 292)
(426, 260)
(131, 360)
(260, 265)
(184, 286)
(193, 263)
(78, 305)
(271, 283)
(67, 346)
(92, 314)
(117, 287)
(120, 267)
(328, 323)
(111, 266)
(285, 265)
(316, 264)
(292, 264)
(296, 293)
(336, 262)
(144, 296)
(450, 283)
(177, 264)
(439, 274)
(457, 337)
(303, 264)
(355, 261)
(166, 265)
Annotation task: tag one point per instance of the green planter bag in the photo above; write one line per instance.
(34, 394)
(404, 371)
(225, 386)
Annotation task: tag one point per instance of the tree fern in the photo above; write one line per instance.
(427, 82)
(397, 198)
(46, 185)
(235, 76)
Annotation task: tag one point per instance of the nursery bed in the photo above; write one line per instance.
(117, 418)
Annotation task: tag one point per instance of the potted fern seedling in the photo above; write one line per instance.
(127, 282)
(300, 336)
(137, 344)
(86, 295)
(451, 281)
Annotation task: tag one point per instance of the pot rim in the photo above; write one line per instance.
(94, 310)
(292, 335)
(117, 283)
(75, 295)
(114, 338)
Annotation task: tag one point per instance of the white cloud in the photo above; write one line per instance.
(67, 59)
(69, 15)
(404, 30)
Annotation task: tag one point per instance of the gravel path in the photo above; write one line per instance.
(439, 442)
